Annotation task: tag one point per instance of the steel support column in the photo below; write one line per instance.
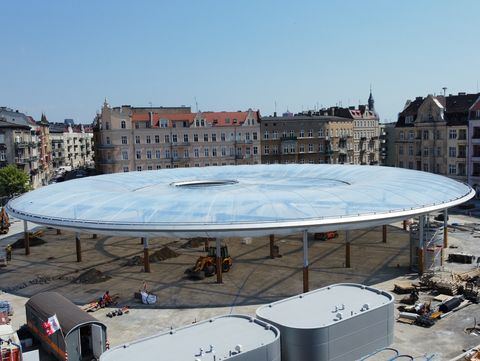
(421, 223)
(404, 224)
(78, 247)
(146, 255)
(347, 250)
(445, 228)
(305, 261)
(26, 238)
(219, 260)
(384, 233)
(272, 243)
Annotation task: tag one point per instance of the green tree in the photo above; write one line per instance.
(13, 181)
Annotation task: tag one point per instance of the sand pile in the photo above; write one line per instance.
(163, 254)
(91, 276)
(196, 242)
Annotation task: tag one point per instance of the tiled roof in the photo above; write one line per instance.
(226, 118)
(410, 110)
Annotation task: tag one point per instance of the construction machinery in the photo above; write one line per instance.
(206, 266)
(323, 236)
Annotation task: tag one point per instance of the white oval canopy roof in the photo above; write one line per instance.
(248, 200)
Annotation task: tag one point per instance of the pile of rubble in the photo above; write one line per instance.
(450, 294)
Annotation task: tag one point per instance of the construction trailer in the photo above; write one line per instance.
(229, 337)
(81, 336)
(340, 322)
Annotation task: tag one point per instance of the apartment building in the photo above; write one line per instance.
(309, 137)
(387, 144)
(72, 145)
(137, 139)
(22, 142)
(431, 134)
(473, 152)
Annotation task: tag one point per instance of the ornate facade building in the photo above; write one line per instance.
(432, 134)
(137, 139)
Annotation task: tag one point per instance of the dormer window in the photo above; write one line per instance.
(409, 119)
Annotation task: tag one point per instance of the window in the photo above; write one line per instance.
(214, 152)
(196, 153)
(148, 139)
(411, 135)
(265, 135)
(224, 151)
(124, 155)
(310, 148)
(410, 151)
(292, 148)
(167, 153)
(255, 137)
(425, 134)
(302, 133)
(159, 166)
(222, 137)
(108, 140)
(125, 169)
(186, 154)
(452, 134)
(410, 165)
(107, 125)
(255, 150)
(195, 137)
(247, 136)
(452, 152)
(285, 149)
(310, 133)
(137, 139)
(157, 154)
(163, 123)
(452, 169)
(301, 148)
(214, 137)
(175, 154)
(266, 150)
(123, 124)
(400, 149)
(138, 154)
(320, 133)
(425, 152)
(167, 138)
(139, 168)
(205, 137)
(174, 138)
(157, 139)
(149, 154)
(205, 152)
(292, 133)
(400, 135)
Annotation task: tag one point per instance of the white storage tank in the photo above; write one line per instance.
(236, 337)
(340, 322)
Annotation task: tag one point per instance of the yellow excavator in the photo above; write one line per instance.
(206, 266)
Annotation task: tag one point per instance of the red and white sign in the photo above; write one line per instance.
(51, 325)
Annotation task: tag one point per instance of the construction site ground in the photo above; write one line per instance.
(254, 279)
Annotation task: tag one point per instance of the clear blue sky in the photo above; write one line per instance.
(65, 57)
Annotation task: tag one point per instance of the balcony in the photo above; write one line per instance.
(288, 137)
(461, 156)
(21, 144)
(21, 160)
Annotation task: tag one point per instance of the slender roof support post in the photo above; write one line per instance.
(219, 260)
(146, 255)
(78, 247)
(272, 243)
(384, 233)
(445, 228)
(26, 238)
(404, 224)
(305, 261)
(347, 250)
(421, 219)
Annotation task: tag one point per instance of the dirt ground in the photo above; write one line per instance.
(253, 279)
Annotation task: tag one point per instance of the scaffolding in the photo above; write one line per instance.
(432, 246)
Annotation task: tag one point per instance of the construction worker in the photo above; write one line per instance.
(8, 250)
